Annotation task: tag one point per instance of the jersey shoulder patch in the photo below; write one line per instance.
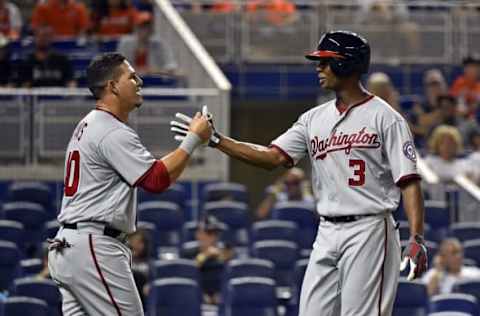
(409, 151)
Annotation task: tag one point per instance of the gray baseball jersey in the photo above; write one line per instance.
(104, 160)
(357, 156)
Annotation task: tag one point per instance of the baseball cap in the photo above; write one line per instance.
(211, 224)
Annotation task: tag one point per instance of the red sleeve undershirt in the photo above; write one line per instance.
(156, 179)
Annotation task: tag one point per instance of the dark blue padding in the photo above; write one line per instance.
(457, 302)
(182, 268)
(23, 306)
(251, 296)
(175, 296)
(9, 263)
(45, 290)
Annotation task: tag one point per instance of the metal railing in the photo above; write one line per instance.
(417, 33)
(37, 124)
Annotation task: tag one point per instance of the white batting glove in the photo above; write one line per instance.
(181, 129)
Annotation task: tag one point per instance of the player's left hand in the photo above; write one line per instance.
(415, 256)
(181, 129)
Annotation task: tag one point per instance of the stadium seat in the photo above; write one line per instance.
(437, 215)
(411, 299)
(12, 231)
(45, 290)
(303, 214)
(468, 287)
(175, 194)
(298, 274)
(404, 231)
(9, 263)
(235, 216)
(35, 192)
(249, 267)
(471, 249)
(175, 296)
(282, 253)
(182, 268)
(31, 215)
(50, 229)
(450, 314)
(454, 302)
(225, 191)
(22, 306)
(275, 229)
(465, 231)
(251, 296)
(167, 218)
(30, 267)
(149, 230)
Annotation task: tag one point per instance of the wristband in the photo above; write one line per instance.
(190, 142)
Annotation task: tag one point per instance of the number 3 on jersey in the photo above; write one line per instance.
(358, 166)
(72, 174)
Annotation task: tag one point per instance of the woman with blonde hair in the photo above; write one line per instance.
(445, 144)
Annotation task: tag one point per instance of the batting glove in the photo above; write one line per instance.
(415, 256)
(181, 129)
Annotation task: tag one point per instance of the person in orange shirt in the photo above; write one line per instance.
(277, 12)
(224, 6)
(114, 18)
(467, 86)
(67, 18)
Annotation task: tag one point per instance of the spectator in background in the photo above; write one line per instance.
(448, 268)
(141, 266)
(445, 145)
(379, 84)
(10, 20)
(6, 68)
(467, 86)
(113, 18)
(44, 67)
(473, 159)
(448, 114)
(291, 186)
(211, 257)
(148, 53)
(67, 18)
(275, 12)
(422, 115)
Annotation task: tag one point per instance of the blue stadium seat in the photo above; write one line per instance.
(45, 290)
(465, 231)
(454, 302)
(437, 215)
(168, 220)
(50, 229)
(235, 215)
(175, 296)
(275, 229)
(471, 249)
(30, 267)
(404, 230)
(251, 296)
(22, 306)
(468, 287)
(303, 214)
(149, 229)
(12, 231)
(298, 274)
(450, 314)
(225, 191)
(411, 299)
(175, 194)
(249, 267)
(31, 215)
(282, 253)
(189, 249)
(9, 263)
(182, 268)
(36, 192)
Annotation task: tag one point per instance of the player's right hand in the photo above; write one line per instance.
(415, 257)
(200, 126)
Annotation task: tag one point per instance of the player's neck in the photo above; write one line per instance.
(111, 108)
(352, 94)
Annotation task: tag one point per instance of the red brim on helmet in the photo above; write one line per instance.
(318, 54)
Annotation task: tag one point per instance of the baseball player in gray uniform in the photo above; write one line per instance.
(105, 163)
(363, 159)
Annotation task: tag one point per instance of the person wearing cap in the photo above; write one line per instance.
(150, 55)
(467, 86)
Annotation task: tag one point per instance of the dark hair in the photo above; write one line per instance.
(471, 59)
(101, 69)
(448, 98)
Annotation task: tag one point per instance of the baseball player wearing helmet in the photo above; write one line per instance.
(105, 163)
(363, 159)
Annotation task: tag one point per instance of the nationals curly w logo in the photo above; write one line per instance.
(341, 141)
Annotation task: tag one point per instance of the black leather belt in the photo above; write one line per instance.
(107, 231)
(344, 218)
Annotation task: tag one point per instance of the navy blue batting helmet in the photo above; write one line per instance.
(348, 52)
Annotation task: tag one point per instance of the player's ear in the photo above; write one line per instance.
(113, 86)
